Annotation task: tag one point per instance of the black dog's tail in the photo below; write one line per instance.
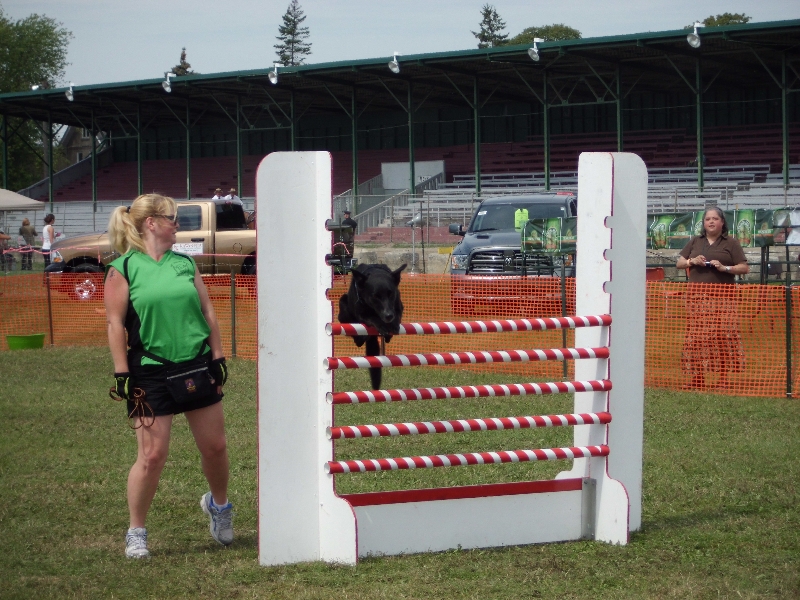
(374, 349)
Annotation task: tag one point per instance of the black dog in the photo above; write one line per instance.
(373, 299)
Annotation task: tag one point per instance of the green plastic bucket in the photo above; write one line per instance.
(23, 342)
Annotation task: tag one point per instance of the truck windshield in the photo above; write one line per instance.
(506, 217)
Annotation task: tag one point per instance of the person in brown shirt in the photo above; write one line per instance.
(28, 233)
(713, 342)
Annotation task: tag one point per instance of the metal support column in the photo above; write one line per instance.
(188, 153)
(785, 122)
(5, 152)
(699, 105)
(139, 179)
(476, 115)
(619, 108)
(292, 131)
(354, 144)
(50, 159)
(546, 132)
(412, 175)
(238, 151)
(93, 133)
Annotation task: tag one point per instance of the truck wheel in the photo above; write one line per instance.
(85, 286)
(249, 267)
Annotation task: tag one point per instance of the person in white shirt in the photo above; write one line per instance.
(48, 237)
(217, 194)
(232, 195)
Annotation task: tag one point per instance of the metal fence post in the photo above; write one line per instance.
(564, 312)
(788, 325)
(233, 314)
(49, 309)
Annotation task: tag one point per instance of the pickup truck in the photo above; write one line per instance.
(488, 266)
(214, 232)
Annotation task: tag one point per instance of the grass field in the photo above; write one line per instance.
(721, 515)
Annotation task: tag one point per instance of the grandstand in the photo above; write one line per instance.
(632, 92)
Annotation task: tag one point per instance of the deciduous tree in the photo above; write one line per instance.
(548, 33)
(293, 48)
(491, 28)
(724, 19)
(34, 52)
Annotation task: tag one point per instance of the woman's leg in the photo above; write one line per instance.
(208, 428)
(46, 256)
(146, 471)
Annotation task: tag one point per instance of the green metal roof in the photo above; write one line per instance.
(578, 71)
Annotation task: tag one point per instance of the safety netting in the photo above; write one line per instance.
(734, 339)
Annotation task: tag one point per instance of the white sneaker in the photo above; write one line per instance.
(136, 543)
(221, 525)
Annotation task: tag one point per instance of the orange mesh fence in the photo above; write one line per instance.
(726, 338)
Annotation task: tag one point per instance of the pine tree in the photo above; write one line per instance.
(293, 48)
(183, 67)
(491, 28)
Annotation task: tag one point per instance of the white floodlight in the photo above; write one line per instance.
(273, 75)
(694, 38)
(69, 93)
(534, 51)
(35, 87)
(394, 65)
(166, 84)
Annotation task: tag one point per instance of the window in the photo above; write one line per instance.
(85, 134)
(230, 216)
(190, 218)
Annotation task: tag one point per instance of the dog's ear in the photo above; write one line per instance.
(358, 277)
(396, 273)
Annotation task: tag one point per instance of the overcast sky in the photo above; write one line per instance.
(123, 40)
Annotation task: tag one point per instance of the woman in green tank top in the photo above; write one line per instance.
(159, 313)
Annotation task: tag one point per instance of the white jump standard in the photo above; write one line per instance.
(301, 517)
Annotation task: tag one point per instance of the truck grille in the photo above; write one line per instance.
(509, 262)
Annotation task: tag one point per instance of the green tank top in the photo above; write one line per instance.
(164, 315)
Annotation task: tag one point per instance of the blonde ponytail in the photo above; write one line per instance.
(125, 224)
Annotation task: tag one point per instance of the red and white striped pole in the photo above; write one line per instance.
(462, 358)
(469, 391)
(466, 425)
(500, 326)
(459, 460)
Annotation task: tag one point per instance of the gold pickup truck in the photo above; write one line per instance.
(213, 232)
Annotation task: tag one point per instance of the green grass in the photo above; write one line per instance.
(720, 514)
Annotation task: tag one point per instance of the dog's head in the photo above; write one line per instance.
(377, 287)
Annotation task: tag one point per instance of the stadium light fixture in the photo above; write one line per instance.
(534, 51)
(394, 64)
(166, 84)
(35, 87)
(273, 75)
(694, 38)
(69, 93)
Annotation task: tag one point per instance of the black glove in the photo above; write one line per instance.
(123, 386)
(219, 371)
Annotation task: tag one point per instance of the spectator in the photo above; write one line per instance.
(4, 258)
(348, 236)
(217, 194)
(152, 350)
(232, 195)
(348, 222)
(48, 237)
(28, 233)
(713, 342)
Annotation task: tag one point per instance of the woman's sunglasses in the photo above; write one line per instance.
(173, 218)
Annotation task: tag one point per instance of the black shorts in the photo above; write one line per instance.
(152, 379)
